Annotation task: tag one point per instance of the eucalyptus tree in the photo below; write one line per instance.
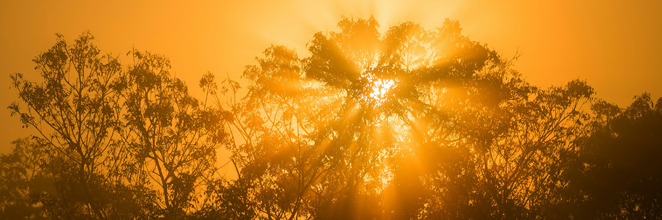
(408, 124)
(171, 136)
(74, 110)
(113, 135)
(616, 171)
(276, 151)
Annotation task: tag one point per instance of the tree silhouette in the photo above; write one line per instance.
(114, 133)
(406, 124)
(171, 136)
(23, 179)
(75, 110)
(617, 168)
(460, 135)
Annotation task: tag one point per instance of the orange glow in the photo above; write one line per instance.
(560, 41)
(369, 110)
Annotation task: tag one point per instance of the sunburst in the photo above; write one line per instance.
(377, 90)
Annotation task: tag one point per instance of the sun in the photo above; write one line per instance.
(377, 90)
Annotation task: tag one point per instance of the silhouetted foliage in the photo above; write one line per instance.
(75, 111)
(618, 169)
(406, 124)
(23, 180)
(171, 136)
(122, 143)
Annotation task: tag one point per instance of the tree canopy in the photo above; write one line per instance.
(406, 124)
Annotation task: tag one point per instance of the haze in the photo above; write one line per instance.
(615, 45)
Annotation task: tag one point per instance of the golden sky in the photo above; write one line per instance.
(615, 45)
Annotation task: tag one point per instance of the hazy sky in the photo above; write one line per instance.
(615, 45)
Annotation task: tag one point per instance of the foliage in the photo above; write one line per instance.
(406, 124)
(23, 180)
(74, 111)
(617, 168)
(170, 135)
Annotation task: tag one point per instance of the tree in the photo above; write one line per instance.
(112, 133)
(277, 129)
(75, 112)
(405, 124)
(617, 169)
(411, 124)
(172, 136)
(23, 179)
